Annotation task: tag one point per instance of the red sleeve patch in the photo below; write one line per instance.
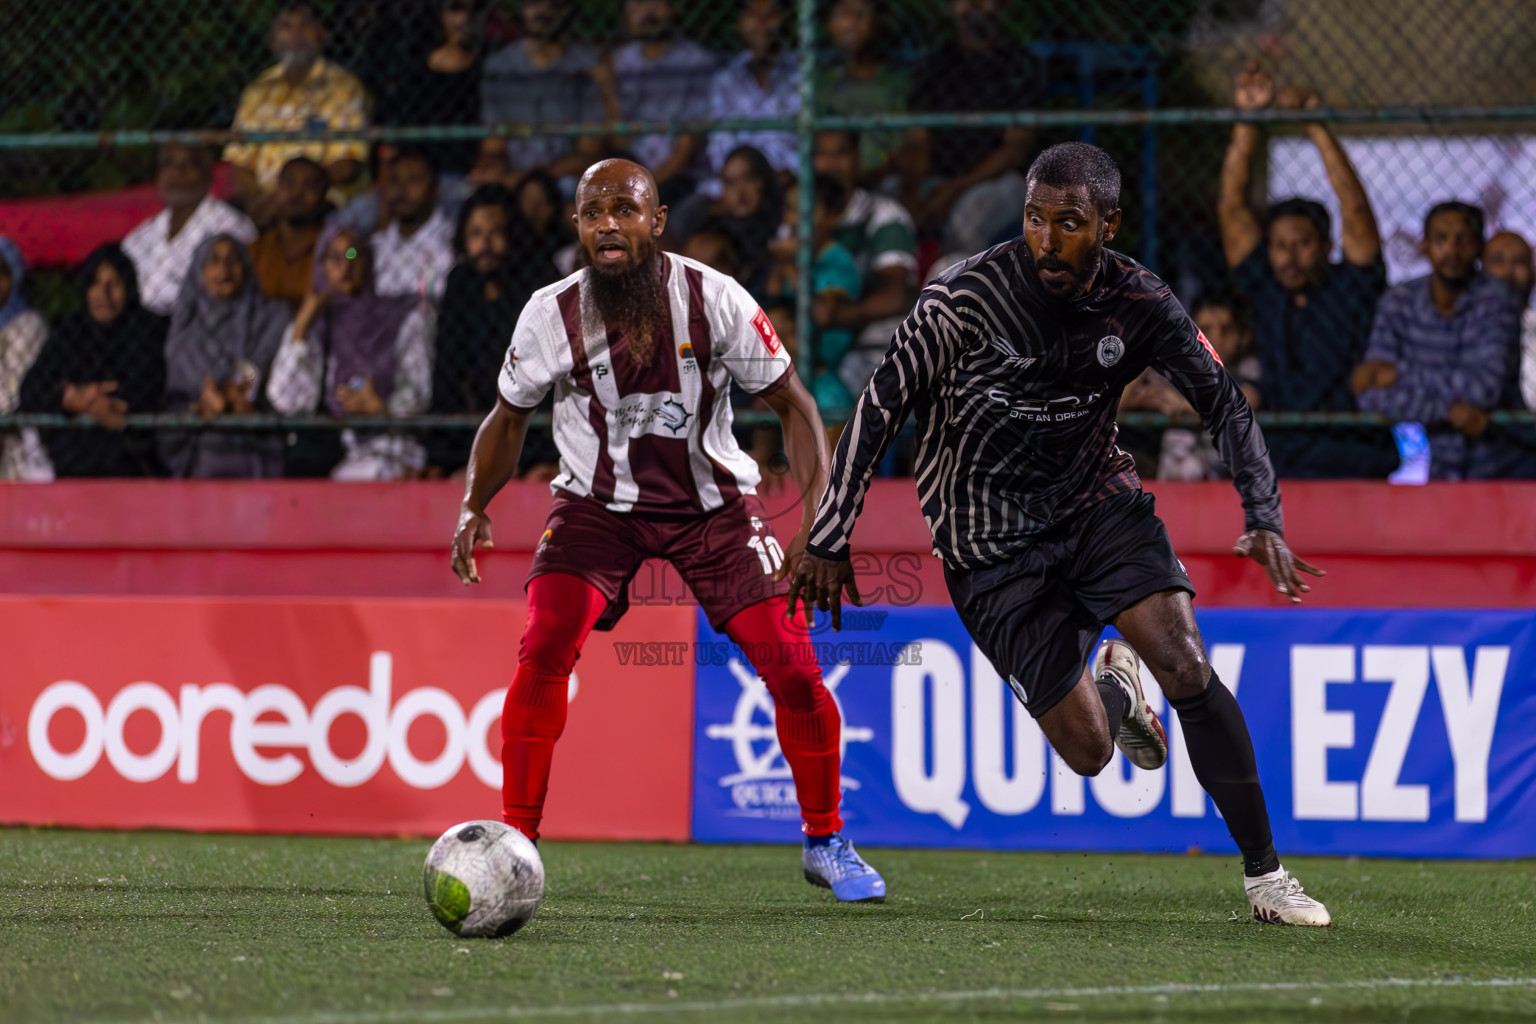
(1201, 335)
(767, 333)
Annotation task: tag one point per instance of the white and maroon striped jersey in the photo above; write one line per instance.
(656, 438)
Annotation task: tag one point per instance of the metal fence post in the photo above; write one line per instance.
(805, 252)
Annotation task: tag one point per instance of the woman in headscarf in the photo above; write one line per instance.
(223, 336)
(487, 290)
(104, 361)
(361, 354)
(22, 333)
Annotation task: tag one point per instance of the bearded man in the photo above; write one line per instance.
(641, 348)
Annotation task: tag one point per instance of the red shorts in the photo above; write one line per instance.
(727, 557)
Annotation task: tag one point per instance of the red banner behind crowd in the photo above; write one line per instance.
(329, 716)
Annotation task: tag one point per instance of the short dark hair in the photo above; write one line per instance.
(414, 152)
(1229, 298)
(304, 7)
(305, 162)
(1473, 214)
(1311, 209)
(1079, 165)
(493, 194)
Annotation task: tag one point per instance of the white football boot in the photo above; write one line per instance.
(1141, 738)
(1277, 898)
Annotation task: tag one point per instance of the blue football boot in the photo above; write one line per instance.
(837, 866)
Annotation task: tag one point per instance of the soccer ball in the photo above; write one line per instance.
(483, 879)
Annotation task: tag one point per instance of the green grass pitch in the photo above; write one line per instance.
(171, 927)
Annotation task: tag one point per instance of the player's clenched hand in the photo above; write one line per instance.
(819, 583)
(473, 527)
(1270, 550)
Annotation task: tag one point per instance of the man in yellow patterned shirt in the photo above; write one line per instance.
(302, 91)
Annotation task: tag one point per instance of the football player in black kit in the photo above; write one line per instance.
(1013, 363)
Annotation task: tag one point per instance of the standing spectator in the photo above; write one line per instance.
(976, 174)
(103, 362)
(1441, 348)
(303, 91)
(880, 235)
(284, 254)
(223, 336)
(359, 353)
(1508, 258)
(860, 78)
(487, 290)
(542, 78)
(414, 254)
(426, 69)
(834, 284)
(161, 248)
(1313, 317)
(22, 334)
(761, 81)
(661, 76)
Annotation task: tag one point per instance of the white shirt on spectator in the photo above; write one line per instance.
(735, 92)
(162, 261)
(417, 265)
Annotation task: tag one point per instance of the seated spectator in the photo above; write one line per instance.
(1508, 258)
(359, 353)
(161, 248)
(1227, 322)
(715, 249)
(543, 78)
(1442, 346)
(761, 81)
(973, 177)
(303, 91)
(859, 78)
(425, 68)
(834, 284)
(880, 235)
(415, 252)
(750, 209)
(487, 291)
(540, 219)
(1312, 317)
(223, 336)
(103, 362)
(284, 254)
(22, 335)
(661, 76)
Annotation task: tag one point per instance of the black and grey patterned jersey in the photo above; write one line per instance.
(1015, 397)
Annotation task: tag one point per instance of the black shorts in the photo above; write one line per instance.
(1039, 615)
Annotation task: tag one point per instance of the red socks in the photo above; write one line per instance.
(531, 721)
(805, 716)
(561, 611)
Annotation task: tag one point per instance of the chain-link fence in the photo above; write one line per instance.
(257, 238)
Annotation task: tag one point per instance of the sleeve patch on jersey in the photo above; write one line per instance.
(767, 333)
(1201, 335)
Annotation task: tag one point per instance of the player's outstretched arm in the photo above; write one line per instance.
(492, 462)
(805, 442)
(1270, 550)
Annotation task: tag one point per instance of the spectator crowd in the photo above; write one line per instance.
(383, 282)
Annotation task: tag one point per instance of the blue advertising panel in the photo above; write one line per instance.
(1383, 733)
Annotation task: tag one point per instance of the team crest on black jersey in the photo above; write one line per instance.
(1110, 350)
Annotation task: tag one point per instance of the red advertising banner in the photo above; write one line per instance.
(373, 717)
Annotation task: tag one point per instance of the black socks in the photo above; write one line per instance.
(1113, 695)
(1221, 753)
